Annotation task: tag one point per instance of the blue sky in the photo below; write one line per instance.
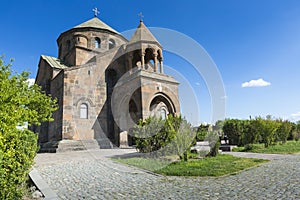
(247, 40)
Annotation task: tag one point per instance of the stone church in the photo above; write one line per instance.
(103, 84)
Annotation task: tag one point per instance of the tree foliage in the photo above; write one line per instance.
(185, 135)
(267, 131)
(202, 132)
(173, 136)
(20, 104)
(214, 143)
(296, 131)
(233, 129)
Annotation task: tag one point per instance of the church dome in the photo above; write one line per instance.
(93, 35)
(96, 23)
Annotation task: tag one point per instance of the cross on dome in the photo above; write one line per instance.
(96, 12)
(141, 16)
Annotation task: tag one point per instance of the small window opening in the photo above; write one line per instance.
(97, 43)
(83, 111)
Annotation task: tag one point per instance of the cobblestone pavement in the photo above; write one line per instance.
(90, 175)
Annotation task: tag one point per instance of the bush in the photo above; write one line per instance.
(174, 135)
(297, 131)
(214, 143)
(250, 132)
(248, 147)
(202, 131)
(232, 128)
(20, 104)
(283, 131)
(18, 149)
(151, 135)
(268, 131)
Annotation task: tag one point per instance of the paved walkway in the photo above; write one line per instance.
(91, 175)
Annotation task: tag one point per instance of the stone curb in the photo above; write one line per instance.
(48, 193)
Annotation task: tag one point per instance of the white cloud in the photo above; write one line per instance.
(256, 83)
(31, 81)
(295, 117)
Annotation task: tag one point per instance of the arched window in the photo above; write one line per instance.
(83, 111)
(163, 113)
(97, 43)
(111, 43)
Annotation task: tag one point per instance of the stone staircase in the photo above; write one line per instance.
(75, 145)
(105, 143)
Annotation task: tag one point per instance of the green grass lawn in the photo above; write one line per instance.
(289, 147)
(210, 166)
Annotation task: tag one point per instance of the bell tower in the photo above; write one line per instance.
(145, 50)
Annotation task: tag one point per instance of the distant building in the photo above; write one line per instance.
(104, 83)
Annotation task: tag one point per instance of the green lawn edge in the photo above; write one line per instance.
(290, 147)
(221, 165)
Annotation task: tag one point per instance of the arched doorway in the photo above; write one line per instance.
(161, 106)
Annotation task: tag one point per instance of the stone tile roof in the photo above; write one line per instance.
(96, 23)
(54, 62)
(142, 33)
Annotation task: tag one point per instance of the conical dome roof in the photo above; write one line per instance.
(142, 33)
(96, 23)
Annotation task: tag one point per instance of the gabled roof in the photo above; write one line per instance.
(96, 23)
(54, 62)
(142, 33)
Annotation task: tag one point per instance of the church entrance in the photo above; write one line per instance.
(161, 106)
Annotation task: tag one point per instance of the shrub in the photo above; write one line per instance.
(174, 135)
(202, 131)
(268, 129)
(20, 104)
(250, 133)
(151, 135)
(248, 147)
(18, 149)
(297, 131)
(283, 131)
(185, 137)
(214, 143)
(232, 128)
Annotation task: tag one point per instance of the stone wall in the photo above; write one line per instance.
(56, 89)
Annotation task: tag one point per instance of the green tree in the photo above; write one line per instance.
(20, 104)
(233, 129)
(283, 131)
(268, 129)
(214, 143)
(202, 131)
(172, 136)
(250, 132)
(150, 135)
(297, 131)
(218, 125)
(185, 135)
